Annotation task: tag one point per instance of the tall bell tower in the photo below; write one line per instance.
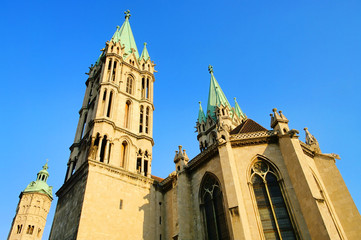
(112, 151)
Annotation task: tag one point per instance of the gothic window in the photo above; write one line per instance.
(39, 232)
(30, 229)
(275, 219)
(123, 152)
(114, 71)
(126, 114)
(213, 209)
(109, 104)
(147, 120)
(109, 64)
(139, 165)
(129, 86)
(143, 87)
(147, 89)
(143, 66)
(145, 167)
(19, 229)
(141, 119)
(102, 149)
(105, 95)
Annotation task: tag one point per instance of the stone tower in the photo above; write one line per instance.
(33, 208)
(108, 176)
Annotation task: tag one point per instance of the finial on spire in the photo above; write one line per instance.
(118, 27)
(127, 14)
(145, 44)
(210, 69)
(45, 167)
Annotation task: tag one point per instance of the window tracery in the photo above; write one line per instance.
(272, 209)
(213, 209)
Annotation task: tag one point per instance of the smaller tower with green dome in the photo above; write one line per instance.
(33, 208)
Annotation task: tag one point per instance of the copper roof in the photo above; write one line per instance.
(248, 126)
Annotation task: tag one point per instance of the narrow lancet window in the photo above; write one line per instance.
(143, 87)
(114, 71)
(147, 89)
(102, 149)
(129, 85)
(272, 209)
(123, 153)
(147, 120)
(126, 114)
(141, 119)
(109, 104)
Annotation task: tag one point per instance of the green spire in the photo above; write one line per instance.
(201, 116)
(40, 185)
(216, 96)
(145, 54)
(238, 109)
(124, 35)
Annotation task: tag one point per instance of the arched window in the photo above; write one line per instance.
(123, 153)
(19, 229)
(114, 71)
(147, 120)
(109, 68)
(109, 104)
(143, 87)
(126, 114)
(141, 119)
(147, 89)
(272, 209)
(213, 209)
(129, 85)
(102, 149)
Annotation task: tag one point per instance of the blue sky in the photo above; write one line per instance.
(300, 57)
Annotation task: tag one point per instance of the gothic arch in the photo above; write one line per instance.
(124, 162)
(270, 202)
(258, 157)
(213, 209)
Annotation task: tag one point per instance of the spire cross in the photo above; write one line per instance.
(45, 167)
(127, 14)
(210, 69)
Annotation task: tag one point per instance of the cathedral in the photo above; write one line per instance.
(247, 182)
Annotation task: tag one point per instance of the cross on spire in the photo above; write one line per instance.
(127, 14)
(210, 69)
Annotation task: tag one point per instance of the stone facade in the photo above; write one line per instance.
(248, 182)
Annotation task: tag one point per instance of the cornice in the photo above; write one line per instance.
(132, 177)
